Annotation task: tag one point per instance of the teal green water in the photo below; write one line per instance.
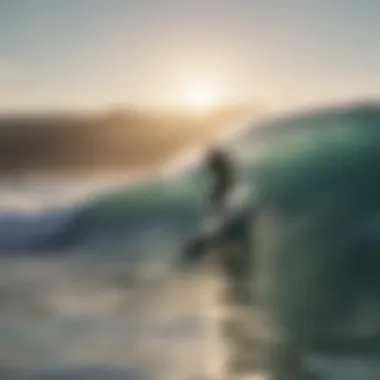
(319, 185)
(317, 176)
(313, 181)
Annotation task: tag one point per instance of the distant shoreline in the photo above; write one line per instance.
(120, 143)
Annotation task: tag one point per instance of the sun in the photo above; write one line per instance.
(201, 96)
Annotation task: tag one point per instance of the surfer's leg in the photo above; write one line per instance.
(216, 203)
(219, 200)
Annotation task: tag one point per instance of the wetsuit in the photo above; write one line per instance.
(220, 168)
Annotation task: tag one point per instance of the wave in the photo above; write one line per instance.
(37, 214)
(51, 213)
(270, 156)
(36, 211)
(314, 177)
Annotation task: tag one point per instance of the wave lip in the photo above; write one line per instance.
(22, 230)
(33, 213)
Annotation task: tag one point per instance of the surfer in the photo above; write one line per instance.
(219, 166)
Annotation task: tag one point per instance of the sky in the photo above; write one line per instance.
(91, 54)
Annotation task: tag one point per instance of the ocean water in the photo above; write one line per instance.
(90, 286)
(87, 286)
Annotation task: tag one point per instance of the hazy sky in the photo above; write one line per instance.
(90, 53)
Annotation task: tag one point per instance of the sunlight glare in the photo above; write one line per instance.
(201, 95)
